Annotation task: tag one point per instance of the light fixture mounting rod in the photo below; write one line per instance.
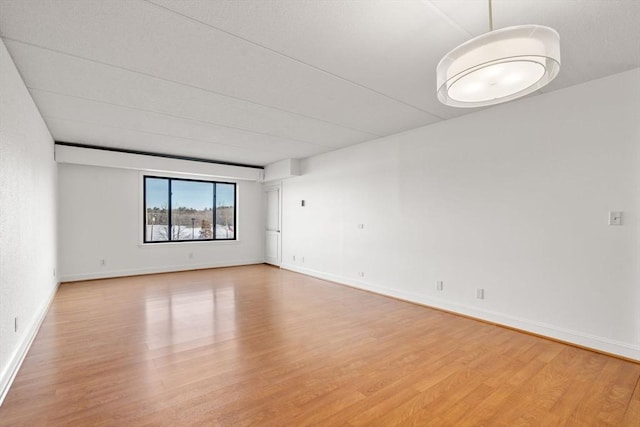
(490, 17)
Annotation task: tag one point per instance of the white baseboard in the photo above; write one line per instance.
(9, 373)
(106, 274)
(623, 349)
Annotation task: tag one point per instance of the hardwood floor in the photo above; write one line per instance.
(261, 346)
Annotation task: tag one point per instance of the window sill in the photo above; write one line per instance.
(189, 243)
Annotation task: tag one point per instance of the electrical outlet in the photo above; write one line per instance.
(103, 262)
(480, 293)
(361, 274)
(360, 226)
(294, 258)
(439, 285)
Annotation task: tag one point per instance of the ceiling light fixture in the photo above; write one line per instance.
(499, 66)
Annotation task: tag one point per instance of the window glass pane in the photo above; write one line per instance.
(157, 203)
(225, 211)
(191, 210)
(178, 210)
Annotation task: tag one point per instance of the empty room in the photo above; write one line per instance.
(319, 212)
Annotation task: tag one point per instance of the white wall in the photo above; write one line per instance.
(101, 215)
(27, 219)
(513, 199)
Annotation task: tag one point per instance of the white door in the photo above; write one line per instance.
(272, 238)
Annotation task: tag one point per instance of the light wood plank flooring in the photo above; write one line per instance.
(257, 345)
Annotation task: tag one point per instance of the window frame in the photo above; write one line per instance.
(170, 179)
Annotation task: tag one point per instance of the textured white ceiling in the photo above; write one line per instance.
(258, 81)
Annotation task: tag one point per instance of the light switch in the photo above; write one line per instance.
(615, 218)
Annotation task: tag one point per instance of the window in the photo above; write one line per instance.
(181, 210)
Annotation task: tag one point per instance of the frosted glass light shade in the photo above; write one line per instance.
(499, 66)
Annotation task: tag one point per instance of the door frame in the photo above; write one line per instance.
(277, 186)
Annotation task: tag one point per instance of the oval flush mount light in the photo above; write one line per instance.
(499, 66)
